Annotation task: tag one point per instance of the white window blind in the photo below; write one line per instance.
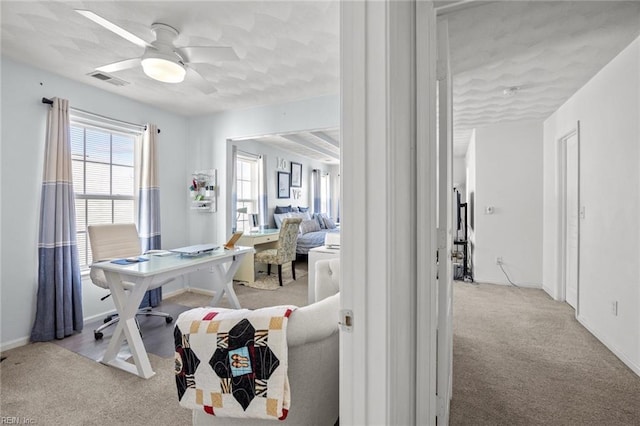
(325, 193)
(247, 190)
(103, 180)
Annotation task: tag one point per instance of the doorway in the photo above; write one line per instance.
(570, 216)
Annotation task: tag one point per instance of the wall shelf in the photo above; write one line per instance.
(203, 192)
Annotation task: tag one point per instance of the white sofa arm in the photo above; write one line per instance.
(327, 278)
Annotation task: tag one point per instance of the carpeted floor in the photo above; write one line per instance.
(48, 384)
(521, 358)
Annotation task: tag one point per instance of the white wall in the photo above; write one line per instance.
(208, 149)
(271, 154)
(608, 108)
(459, 172)
(508, 174)
(208, 142)
(23, 135)
(470, 195)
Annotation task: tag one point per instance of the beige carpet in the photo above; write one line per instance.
(50, 385)
(520, 358)
(272, 282)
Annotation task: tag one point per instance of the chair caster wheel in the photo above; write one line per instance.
(107, 319)
(97, 335)
(168, 320)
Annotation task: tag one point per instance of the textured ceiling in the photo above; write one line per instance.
(548, 49)
(288, 50)
(320, 145)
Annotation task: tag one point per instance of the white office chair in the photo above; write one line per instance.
(115, 241)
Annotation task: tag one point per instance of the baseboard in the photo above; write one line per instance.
(525, 285)
(165, 295)
(15, 343)
(202, 291)
(550, 292)
(635, 368)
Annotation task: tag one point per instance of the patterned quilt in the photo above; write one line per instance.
(233, 362)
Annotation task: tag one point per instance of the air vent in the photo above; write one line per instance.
(108, 78)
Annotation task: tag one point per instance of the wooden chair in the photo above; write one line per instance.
(285, 250)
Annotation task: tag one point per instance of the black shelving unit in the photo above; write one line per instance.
(462, 241)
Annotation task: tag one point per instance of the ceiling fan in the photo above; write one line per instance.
(162, 60)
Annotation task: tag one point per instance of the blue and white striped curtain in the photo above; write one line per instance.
(148, 202)
(263, 203)
(59, 303)
(234, 188)
(315, 190)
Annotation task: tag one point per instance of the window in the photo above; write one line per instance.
(103, 180)
(247, 190)
(325, 193)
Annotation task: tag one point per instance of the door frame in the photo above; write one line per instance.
(561, 190)
(388, 288)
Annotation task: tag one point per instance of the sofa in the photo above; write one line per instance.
(313, 341)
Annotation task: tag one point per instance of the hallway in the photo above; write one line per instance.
(521, 358)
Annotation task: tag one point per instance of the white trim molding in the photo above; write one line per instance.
(388, 171)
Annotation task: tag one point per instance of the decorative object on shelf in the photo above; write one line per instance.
(203, 190)
(296, 175)
(281, 163)
(284, 185)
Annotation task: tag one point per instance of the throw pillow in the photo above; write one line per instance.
(303, 209)
(318, 217)
(278, 217)
(310, 225)
(282, 209)
(328, 222)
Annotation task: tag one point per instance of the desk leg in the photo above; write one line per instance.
(127, 304)
(223, 281)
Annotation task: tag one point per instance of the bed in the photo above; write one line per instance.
(312, 239)
(313, 228)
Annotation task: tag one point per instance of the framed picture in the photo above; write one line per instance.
(284, 184)
(296, 175)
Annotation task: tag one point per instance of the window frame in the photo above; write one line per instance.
(243, 220)
(84, 197)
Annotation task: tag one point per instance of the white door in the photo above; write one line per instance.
(445, 221)
(572, 225)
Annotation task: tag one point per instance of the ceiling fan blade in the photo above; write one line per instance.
(207, 54)
(119, 66)
(113, 28)
(201, 83)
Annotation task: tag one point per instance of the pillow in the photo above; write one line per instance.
(283, 209)
(303, 209)
(328, 222)
(318, 217)
(278, 218)
(309, 225)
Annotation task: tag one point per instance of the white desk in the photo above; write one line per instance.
(261, 240)
(315, 254)
(128, 284)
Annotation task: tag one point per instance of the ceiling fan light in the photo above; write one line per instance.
(164, 70)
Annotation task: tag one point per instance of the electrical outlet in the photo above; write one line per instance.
(614, 308)
(498, 260)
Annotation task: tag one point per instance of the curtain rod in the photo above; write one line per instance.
(50, 102)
